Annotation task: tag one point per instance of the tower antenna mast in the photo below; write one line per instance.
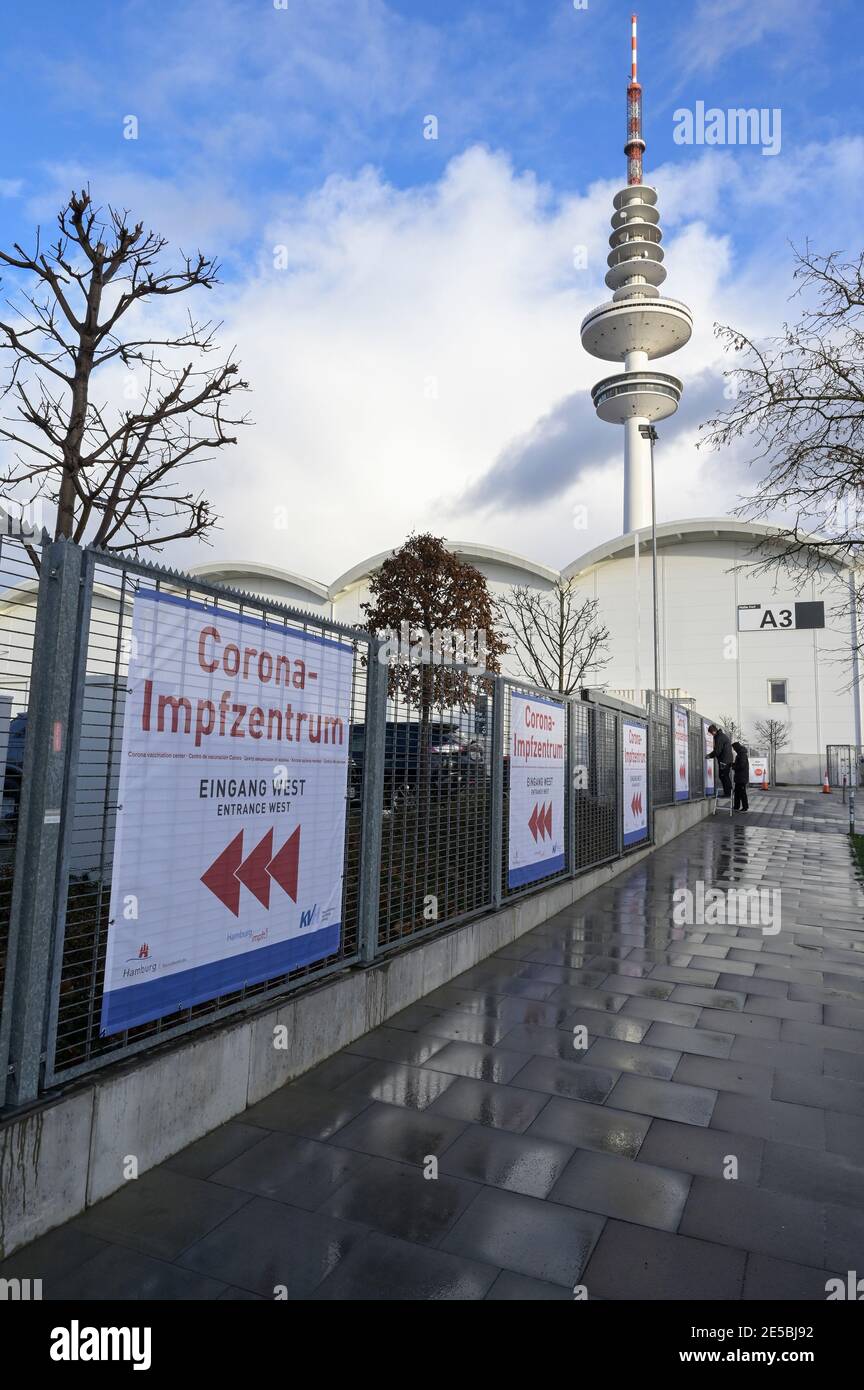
(640, 323)
(635, 147)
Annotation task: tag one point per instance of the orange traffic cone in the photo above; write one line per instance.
(825, 787)
(765, 782)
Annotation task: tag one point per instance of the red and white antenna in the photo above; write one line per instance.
(635, 144)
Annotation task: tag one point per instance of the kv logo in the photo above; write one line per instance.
(308, 915)
(255, 872)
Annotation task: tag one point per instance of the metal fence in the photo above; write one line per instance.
(845, 764)
(427, 799)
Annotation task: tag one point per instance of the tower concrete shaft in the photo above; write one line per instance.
(639, 324)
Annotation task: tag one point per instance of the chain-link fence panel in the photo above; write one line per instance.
(435, 859)
(75, 1042)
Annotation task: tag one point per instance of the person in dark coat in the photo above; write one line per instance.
(724, 757)
(741, 776)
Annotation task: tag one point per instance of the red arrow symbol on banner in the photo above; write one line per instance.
(532, 824)
(547, 820)
(682, 771)
(221, 878)
(253, 871)
(285, 865)
(636, 804)
(230, 869)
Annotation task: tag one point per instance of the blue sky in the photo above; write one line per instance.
(420, 357)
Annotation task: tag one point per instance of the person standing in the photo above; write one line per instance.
(724, 755)
(741, 777)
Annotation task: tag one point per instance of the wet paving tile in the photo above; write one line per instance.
(517, 1288)
(394, 1084)
(483, 1063)
(488, 1103)
(398, 1199)
(390, 1131)
(755, 1219)
(267, 1246)
(312, 1113)
(636, 1057)
(696, 1040)
(385, 1269)
(702, 1151)
(161, 1213)
(619, 1187)
(529, 1165)
(575, 1080)
(287, 1169)
(668, 1100)
(597, 1127)
(633, 1262)
(527, 1236)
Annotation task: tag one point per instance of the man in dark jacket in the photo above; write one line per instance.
(741, 776)
(724, 757)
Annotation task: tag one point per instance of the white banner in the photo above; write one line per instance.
(681, 749)
(708, 739)
(230, 840)
(536, 818)
(758, 769)
(634, 762)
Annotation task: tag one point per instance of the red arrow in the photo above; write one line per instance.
(532, 824)
(285, 865)
(221, 878)
(548, 820)
(682, 771)
(253, 871)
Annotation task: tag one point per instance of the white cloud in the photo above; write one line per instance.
(417, 336)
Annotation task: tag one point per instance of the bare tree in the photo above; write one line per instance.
(773, 734)
(799, 401)
(732, 727)
(558, 641)
(112, 472)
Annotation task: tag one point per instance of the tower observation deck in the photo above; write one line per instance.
(639, 323)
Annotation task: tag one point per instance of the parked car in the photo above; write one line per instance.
(455, 761)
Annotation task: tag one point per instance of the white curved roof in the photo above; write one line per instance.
(671, 533)
(215, 569)
(468, 550)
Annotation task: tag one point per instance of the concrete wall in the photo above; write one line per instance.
(68, 1153)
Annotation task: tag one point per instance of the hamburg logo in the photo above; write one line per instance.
(230, 870)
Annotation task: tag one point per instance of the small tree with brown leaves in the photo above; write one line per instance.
(427, 597)
(111, 470)
(558, 640)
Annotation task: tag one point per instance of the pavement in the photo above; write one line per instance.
(707, 1141)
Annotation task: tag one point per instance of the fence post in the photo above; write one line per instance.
(570, 787)
(372, 803)
(57, 655)
(496, 791)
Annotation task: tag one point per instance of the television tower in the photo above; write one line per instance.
(637, 324)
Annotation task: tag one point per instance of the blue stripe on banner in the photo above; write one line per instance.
(139, 1003)
(516, 878)
(682, 796)
(631, 836)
